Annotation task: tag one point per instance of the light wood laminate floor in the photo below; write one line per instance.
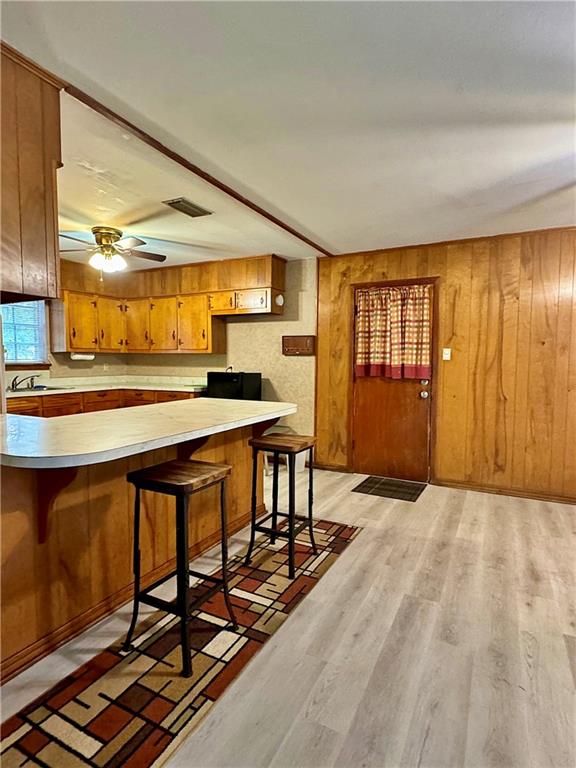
(445, 635)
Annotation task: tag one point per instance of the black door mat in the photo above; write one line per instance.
(407, 490)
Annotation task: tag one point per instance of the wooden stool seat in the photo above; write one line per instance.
(283, 443)
(179, 476)
(290, 445)
(180, 479)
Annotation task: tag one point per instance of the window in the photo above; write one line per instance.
(24, 332)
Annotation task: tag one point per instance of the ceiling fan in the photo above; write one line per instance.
(110, 249)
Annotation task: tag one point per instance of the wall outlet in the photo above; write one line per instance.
(446, 353)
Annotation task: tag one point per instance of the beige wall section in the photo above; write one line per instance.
(254, 343)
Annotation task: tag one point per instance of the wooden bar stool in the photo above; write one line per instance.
(179, 479)
(290, 445)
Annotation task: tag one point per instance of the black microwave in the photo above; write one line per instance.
(235, 386)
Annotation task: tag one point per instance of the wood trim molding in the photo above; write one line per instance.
(24, 61)
(27, 366)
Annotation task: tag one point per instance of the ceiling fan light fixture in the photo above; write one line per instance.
(106, 263)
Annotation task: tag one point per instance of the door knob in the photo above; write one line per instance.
(424, 395)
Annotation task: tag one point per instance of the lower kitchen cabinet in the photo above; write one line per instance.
(25, 406)
(61, 405)
(103, 400)
(90, 402)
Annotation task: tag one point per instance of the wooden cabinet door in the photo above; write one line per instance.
(82, 321)
(30, 139)
(193, 323)
(137, 317)
(111, 324)
(61, 405)
(25, 406)
(163, 324)
(255, 300)
(223, 301)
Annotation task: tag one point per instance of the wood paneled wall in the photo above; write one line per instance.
(505, 405)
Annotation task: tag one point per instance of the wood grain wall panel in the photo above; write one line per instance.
(52, 161)
(32, 193)
(10, 197)
(446, 386)
(505, 402)
(566, 311)
(543, 331)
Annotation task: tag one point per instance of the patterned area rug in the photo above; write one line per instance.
(133, 709)
(407, 490)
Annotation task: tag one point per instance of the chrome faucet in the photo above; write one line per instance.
(16, 383)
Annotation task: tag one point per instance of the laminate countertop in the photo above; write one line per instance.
(77, 440)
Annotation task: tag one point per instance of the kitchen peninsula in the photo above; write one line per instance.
(67, 508)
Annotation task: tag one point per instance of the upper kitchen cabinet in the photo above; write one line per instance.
(30, 147)
(197, 330)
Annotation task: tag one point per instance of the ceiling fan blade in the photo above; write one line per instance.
(127, 243)
(149, 256)
(77, 239)
(78, 250)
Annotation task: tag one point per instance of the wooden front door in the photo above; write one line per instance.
(391, 428)
(391, 422)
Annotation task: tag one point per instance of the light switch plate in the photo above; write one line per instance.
(446, 353)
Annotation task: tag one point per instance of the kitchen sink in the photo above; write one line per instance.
(42, 387)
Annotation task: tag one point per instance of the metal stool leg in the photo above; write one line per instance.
(183, 581)
(275, 496)
(311, 498)
(136, 570)
(224, 529)
(253, 523)
(291, 513)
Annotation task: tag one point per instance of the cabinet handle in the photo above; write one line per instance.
(121, 342)
(180, 304)
(261, 299)
(203, 333)
(120, 307)
(231, 301)
(180, 342)
(152, 306)
(73, 333)
(174, 335)
(146, 335)
(152, 341)
(95, 341)
(126, 342)
(126, 307)
(102, 333)
(94, 303)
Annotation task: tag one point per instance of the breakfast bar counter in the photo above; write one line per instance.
(66, 521)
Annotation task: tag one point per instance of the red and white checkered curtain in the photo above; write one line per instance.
(392, 332)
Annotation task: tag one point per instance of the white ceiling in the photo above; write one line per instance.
(111, 178)
(364, 125)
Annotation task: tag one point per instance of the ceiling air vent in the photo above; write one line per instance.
(185, 206)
